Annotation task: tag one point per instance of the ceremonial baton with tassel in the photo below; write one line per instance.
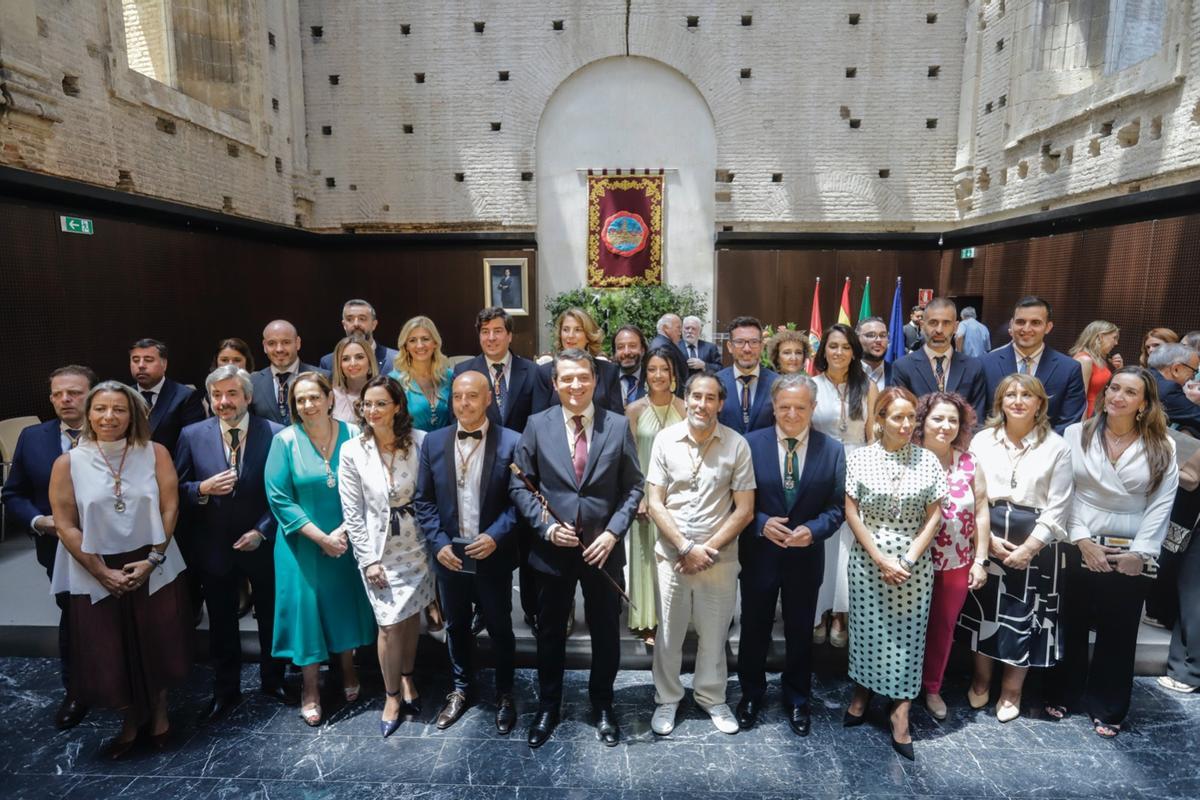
(546, 506)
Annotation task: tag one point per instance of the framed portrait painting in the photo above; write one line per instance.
(506, 284)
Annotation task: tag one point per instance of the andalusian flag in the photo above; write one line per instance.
(864, 310)
(844, 308)
(814, 328)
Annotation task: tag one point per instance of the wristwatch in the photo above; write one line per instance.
(982, 562)
(905, 562)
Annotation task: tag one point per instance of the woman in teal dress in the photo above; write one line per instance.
(425, 375)
(649, 414)
(320, 604)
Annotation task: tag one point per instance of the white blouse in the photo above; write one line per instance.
(1111, 500)
(107, 531)
(1036, 475)
(344, 406)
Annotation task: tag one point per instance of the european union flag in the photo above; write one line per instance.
(895, 328)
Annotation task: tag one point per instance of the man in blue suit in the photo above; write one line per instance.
(173, 406)
(747, 383)
(937, 367)
(799, 504)
(1173, 366)
(629, 348)
(220, 462)
(701, 355)
(27, 502)
(464, 509)
(1028, 352)
(271, 384)
(358, 316)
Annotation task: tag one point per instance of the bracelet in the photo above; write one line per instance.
(156, 558)
(982, 562)
(906, 563)
(687, 549)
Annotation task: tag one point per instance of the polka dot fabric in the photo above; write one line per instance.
(887, 623)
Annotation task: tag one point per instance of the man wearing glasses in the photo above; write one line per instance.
(873, 336)
(747, 405)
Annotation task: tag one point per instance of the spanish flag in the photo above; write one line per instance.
(844, 310)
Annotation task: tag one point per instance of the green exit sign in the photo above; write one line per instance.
(76, 225)
(967, 252)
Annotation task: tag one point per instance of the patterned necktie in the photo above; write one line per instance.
(691, 351)
(791, 482)
(500, 386)
(745, 379)
(282, 398)
(1025, 366)
(940, 372)
(235, 437)
(149, 398)
(73, 437)
(630, 387)
(579, 458)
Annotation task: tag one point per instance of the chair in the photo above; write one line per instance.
(10, 429)
(456, 360)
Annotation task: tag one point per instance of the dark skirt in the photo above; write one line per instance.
(129, 648)
(1014, 617)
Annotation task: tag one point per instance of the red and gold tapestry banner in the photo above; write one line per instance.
(625, 230)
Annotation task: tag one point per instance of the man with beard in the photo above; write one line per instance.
(220, 462)
(172, 405)
(701, 355)
(873, 336)
(281, 343)
(358, 316)
(629, 348)
(938, 367)
(747, 395)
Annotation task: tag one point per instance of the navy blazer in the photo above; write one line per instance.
(522, 384)
(820, 504)
(385, 357)
(915, 373)
(26, 492)
(1060, 374)
(1181, 411)
(218, 522)
(607, 394)
(607, 499)
(176, 407)
(762, 413)
(265, 403)
(706, 351)
(639, 389)
(681, 367)
(436, 499)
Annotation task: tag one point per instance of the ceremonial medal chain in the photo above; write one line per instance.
(465, 461)
(118, 492)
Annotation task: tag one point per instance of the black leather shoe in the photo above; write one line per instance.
(607, 730)
(283, 693)
(506, 714)
(115, 749)
(747, 713)
(455, 707)
(543, 725)
(70, 713)
(801, 721)
(218, 708)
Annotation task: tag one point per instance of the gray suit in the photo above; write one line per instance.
(265, 403)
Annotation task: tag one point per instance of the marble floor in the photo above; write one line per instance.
(265, 751)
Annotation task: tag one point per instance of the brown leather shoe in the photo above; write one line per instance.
(455, 707)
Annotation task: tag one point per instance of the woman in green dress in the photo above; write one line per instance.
(657, 409)
(425, 374)
(320, 605)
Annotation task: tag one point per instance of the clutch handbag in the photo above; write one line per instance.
(1149, 565)
(1012, 522)
(1177, 538)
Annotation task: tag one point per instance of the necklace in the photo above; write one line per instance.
(789, 480)
(118, 492)
(843, 391)
(388, 468)
(662, 418)
(326, 453)
(1013, 462)
(465, 461)
(898, 477)
(699, 462)
(1116, 444)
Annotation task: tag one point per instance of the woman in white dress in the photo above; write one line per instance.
(1013, 618)
(353, 365)
(844, 398)
(1125, 481)
(377, 480)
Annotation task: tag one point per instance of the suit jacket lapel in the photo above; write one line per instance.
(599, 436)
(489, 462)
(255, 441)
(1008, 360)
(518, 374)
(811, 453)
(560, 447)
(450, 474)
(957, 363)
(767, 474)
(1045, 370)
(925, 372)
(161, 402)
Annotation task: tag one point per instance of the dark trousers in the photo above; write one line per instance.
(602, 610)
(527, 576)
(493, 594)
(1111, 604)
(799, 587)
(46, 547)
(1183, 661)
(225, 645)
(1162, 601)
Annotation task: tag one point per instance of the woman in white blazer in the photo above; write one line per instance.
(377, 479)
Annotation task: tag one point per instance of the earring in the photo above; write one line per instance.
(1141, 413)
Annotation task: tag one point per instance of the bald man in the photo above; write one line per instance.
(281, 343)
(470, 524)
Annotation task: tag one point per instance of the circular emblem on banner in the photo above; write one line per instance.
(814, 342)
(625, 234)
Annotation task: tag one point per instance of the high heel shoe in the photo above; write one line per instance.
(905, 749)
(160, 741)
(410, 706)
(853, 721)
(1007, 712)
(389, 726)
(977, 701)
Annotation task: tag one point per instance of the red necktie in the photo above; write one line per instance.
(579, 459)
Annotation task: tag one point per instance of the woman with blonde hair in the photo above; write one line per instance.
(425, 374)
(788, 351)
(1013, 618)
(1153, 338)
(575, 328)
(1092, 350)
(353, 366)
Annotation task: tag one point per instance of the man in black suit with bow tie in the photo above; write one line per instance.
(583, 460)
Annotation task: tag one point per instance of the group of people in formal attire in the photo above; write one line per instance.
(1012, 501)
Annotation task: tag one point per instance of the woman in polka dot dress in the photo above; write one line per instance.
(894, 493)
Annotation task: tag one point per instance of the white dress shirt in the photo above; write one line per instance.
(242, 425)
(589, 415)
(945, 356)
(1043, 476)
(470, 493)
(1034, 359)
(506, 372)
(801, 453)
(738, 372)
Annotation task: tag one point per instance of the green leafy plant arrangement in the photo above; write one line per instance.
(635, 305)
